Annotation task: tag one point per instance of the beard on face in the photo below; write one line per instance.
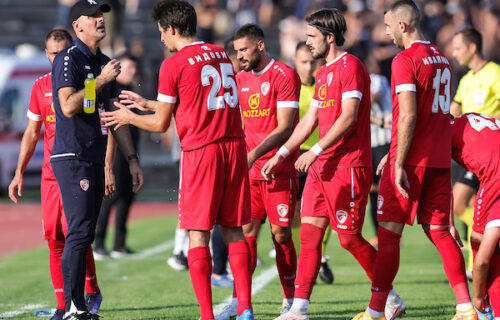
(252, 63)
(320, 52)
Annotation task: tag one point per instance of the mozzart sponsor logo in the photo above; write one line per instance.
(323, 103)
(254, 112)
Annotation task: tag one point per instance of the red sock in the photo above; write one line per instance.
(56, 248)
(200, 270)
(363, 251)
(286, 261)
(493, 283)
(385, 268)
(252, 245)
(453, 262)
(91, 285)
(309, 260)
(239, 260)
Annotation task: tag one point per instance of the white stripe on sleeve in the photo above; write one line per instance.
(406, 87)
(167, 99)
(352, 94)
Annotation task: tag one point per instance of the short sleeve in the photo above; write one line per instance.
(167, 83)
(496, 86)
(353, 80)
(65, 71)
(403, 74)
(34, 112)
(288, 90)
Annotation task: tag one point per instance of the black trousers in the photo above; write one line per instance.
(82, 189)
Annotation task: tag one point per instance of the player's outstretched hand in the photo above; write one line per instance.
(134, 100)
(381, 165)
(454, 233)
(110, 71)
(305, 161)
(109, 182)
(119, 117)
(137, 175)
(270, 166)
(16, 183)
(401, 180)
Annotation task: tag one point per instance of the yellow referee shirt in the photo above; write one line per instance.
(480, 92)
(306, 95)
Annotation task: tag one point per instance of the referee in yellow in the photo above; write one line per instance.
(478, 91)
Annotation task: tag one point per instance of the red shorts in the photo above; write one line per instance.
(487, 206)
(276, 198)
(214, 187)
(339, 194)
(429, 196)
(53, 219)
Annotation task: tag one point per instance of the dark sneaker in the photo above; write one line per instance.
(325, 273)
(178, 262)
(93, 302)
(120, 253)
(100, 253)
(58, 315)
(82, 316)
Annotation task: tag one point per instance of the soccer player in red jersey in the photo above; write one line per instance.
(339, 165)
(197, 85)
(268, 93)
(475, 142)
(416, 180)
(41, 111)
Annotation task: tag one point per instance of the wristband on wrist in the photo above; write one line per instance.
(132, 157)
(283, 151)
(316, 149)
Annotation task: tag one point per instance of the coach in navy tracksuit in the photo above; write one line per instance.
(80, 143)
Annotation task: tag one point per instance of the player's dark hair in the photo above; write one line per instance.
(407, 5)
(301, 45)
(59, 35)
(251, 31)
(329, 21)
(471, 35)
(229, 47)
(178, 14)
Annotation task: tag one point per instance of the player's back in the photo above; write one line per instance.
(476, 144)
(199, 78)
(423, 68)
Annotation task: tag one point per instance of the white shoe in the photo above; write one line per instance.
(229, 313)
(285, 307)
(272, 253)
(292, 315)
(394, 307)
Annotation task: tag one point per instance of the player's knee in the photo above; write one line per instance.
(350, 241)
(281, 235)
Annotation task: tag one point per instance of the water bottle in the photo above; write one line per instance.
(89, 96)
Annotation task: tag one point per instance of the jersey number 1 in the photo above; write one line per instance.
(215, 101)
(442, 102)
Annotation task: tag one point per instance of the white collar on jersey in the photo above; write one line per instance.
(418, 41)
(191, 44)
(265, 69)
(336, 59)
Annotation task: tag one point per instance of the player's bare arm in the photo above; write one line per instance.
(346, 120)
(482, 259)
(109, 177)
(453, 230)
(406, 124)
(277, 137)
(455, 109)
(26, 150)
(72, 101)
(302, 131)
(135, 100)
(381, 165)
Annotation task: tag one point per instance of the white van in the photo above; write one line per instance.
(17, 75)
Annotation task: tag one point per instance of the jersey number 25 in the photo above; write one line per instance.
(215, 101)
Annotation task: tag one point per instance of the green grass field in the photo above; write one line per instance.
(145, 287)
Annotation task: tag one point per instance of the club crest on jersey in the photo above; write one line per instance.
(282, 210)
(264, 88)
(254, 101)
(84, 184)
(341, 216)
(322, 92)
(329, 78)
(380, 203)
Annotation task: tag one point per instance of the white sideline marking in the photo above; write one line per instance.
(23, 309)
(154, 250)
(258, 283)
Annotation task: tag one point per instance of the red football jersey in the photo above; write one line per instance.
(475, 142)
(422, 68)
(261, 94)
(345, 77)
(41, 108)
(200, 80)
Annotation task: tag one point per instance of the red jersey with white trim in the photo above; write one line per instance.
(344, 78)
(261, 94)
(475, 142)
(41, 108)
(423, 69)
(200, 80)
